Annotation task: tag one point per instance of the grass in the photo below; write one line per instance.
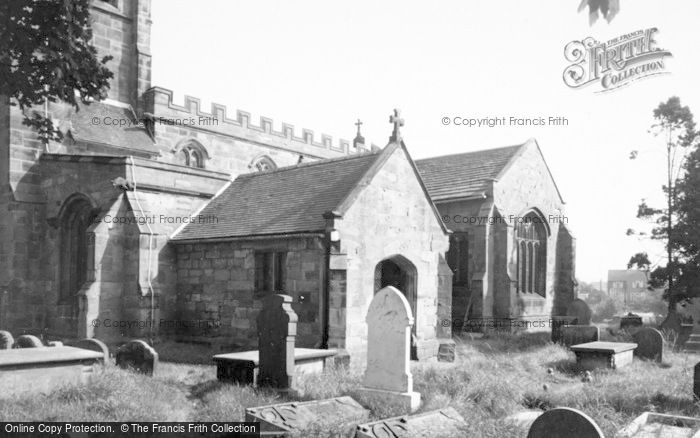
(493, 378)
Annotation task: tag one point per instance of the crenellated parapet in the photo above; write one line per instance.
(159, 102)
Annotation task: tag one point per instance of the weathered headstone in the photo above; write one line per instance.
(651, 424)
(94, 345)
(447, 351)
(388, 376)
(441, 423)
(564, 422)
(6, 340)
(138, 356)
(696, 381)
(650, 344)
(579, 334)
(557, 323)
(342, 413)
(55, 344)
(277, 330)
(579, 310)
(28, 341)
(630, 321)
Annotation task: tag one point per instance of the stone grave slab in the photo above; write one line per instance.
(650, 344)
(388, 376)
(440, 423)
(579, 334)
(579, 310)
(653, 425)
(242, 367)
(278, 420)
(42, 369)
(599, 354)
(94, 345)
(137, 355)
(564, 422)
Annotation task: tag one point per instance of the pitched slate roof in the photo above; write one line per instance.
(464, 175)
(283, 201)
(130, 136)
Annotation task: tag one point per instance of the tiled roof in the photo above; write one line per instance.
(463, 175)
(92, 124)
(283, 201)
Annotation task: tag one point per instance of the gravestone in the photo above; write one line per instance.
(650, 344)
(94, 345)
(579, 334)
(579, 310)
(652, 424)
(441, 423)
(55, 344)
(277, 330)
(341, 413)
(564, 422)
(138, 356)
(388, 375)
(28, 341)
(696, 381)
(557, 323)
(592, 355)
(630, 321)
(447, 351)
(6, 340)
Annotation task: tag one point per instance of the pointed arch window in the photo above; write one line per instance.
(531, 244)
(77, 217)
(191, 153)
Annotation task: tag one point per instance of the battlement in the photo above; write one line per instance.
(159, 101)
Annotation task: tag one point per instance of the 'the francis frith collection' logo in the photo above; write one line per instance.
(614, 63)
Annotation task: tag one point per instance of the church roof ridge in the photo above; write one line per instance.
(307, 164)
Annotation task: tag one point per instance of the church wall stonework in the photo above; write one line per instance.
(216, 283)
(391, 217)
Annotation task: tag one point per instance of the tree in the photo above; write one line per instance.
(608, 8)
(675, 123)
(46, 55)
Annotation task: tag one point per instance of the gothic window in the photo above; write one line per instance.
(192, 157)
(74, 248)
(458, 259)
(263, 163)
(270, 272)
(531, 245)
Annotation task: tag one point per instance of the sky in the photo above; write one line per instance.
(322, 65)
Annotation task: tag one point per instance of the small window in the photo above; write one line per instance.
(192, 157)
(270, 272)
(262, 164)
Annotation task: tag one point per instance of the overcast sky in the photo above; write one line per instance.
(321, 65)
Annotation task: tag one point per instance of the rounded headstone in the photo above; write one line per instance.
(93, 345)
(564, 423)
(137, 355)
(579, 310)
(6, 340)
(28, 341)
(55, 344)
(650, 344)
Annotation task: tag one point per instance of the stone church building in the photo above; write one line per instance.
(164, 221)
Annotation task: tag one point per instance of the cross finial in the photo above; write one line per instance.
(398, 123)
(358, 124)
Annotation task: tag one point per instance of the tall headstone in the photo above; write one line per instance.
(579, 310)
(277, 331)
(650, 344)
(388, 376)
(564, 422)
(579, 334)
(28, 341)
(138, 356)
(696, 381)
(6, 340)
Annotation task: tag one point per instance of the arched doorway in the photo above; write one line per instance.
(76, 216)
(399, 272)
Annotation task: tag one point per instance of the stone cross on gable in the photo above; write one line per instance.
(358, 124)
(398, 123)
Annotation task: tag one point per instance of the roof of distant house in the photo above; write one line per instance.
(626, 275)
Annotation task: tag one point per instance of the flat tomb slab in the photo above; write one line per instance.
(341, 412)
(600, 354)
(242, 367)
(653, 425)
(440, 423)
(43, 369)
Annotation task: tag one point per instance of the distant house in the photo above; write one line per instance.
(624, 282)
